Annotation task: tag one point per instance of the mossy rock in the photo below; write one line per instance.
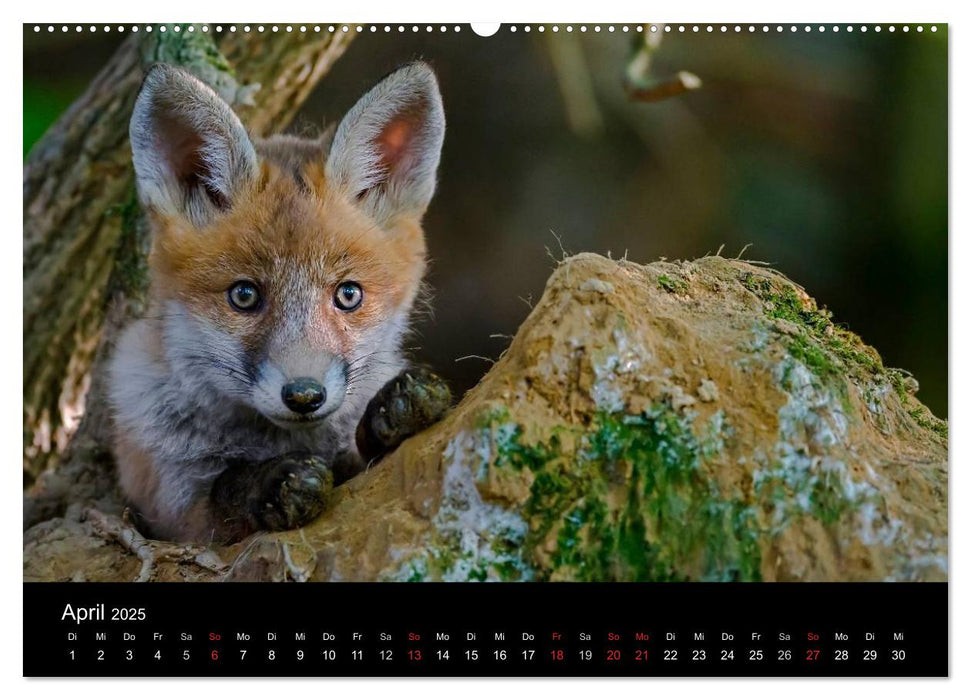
(702, 420)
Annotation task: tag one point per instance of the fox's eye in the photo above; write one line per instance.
(244, 296)
(348, 296)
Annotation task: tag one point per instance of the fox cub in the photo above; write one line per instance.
(282, 275)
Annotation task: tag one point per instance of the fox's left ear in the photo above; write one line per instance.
(192, 155)
(386, 150)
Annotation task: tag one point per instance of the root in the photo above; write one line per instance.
(292, 569)
(150, 552)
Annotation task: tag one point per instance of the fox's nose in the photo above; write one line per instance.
(304, 395)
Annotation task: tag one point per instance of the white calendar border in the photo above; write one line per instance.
(603, 11)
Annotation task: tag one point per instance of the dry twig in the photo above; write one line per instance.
(642, 86)
(150, 552)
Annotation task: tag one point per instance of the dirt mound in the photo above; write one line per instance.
(674, 421)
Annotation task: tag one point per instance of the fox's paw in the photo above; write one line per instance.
(409, 403)
(292, 491)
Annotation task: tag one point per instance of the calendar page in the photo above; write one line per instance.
(543, 349)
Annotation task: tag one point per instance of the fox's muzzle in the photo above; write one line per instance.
(304, 395)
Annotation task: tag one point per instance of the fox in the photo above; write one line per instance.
(283, 273)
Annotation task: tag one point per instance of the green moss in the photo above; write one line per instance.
(827, 499)
(821, 344)
(493, 550)
(820, 363)
(415, 573)
(630, 502)
(130, 275)
(794, 487)
(809, 353)
(448, 559)
(788, 305)
(833, 354)
(507, 561)
(916, 410)
(184, 48)
(196, 52)
(896, 379)
(512, 452)
(672, 285)
(927, 420)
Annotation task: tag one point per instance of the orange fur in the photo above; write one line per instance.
(205, 392)
(276, 228)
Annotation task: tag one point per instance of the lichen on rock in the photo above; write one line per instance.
(695, 421)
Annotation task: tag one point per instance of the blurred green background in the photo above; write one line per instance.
(826, 152)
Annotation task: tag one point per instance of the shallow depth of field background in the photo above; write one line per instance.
(826, 152)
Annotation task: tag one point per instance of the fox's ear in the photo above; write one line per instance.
(386, 150)
(192, 154)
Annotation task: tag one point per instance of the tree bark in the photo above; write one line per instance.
(85, 242)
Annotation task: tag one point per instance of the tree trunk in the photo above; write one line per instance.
(84, 240)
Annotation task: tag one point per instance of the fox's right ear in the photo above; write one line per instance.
(386, 150)
(192, 154)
